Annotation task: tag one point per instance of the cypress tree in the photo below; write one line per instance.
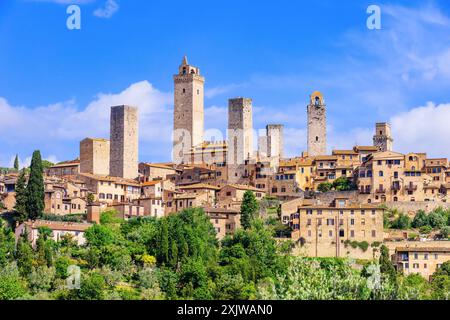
(16, 163)
(164, 242)
(24, 256)
(249, 208)
(21, 198)
(35, 188)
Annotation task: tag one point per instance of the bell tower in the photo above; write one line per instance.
(188, 117)
(317, 125)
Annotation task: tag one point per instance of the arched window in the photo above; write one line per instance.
(317, 139)
(411, 158)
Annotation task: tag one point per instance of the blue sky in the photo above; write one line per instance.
(56, 85)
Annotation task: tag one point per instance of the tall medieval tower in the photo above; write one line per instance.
(124, 142)
(317, 125)
(188, 121)
(240, 130)
(382, 137)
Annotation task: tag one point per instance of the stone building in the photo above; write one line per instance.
(124, 142)
(275, 140)
(328, 230)
(382, 138)
(317, 125)
(94, 156)
(188, 122)
(64, 169)
(421, 258)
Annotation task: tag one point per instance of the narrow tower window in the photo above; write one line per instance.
(317, 139)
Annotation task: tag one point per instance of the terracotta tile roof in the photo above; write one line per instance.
(221, 210)
(423, 249)
(344, 152)
(365, 148)
(57, 225)
(117, 180)
(199, 186)
(151, 183)
(325, 158)
(243, 187)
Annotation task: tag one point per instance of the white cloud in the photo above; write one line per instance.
(423, 129)
(54, 126)
(108, 10)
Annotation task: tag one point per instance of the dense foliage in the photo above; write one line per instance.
(178, 257)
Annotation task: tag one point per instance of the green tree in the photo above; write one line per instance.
(163, 256)
(35, 188)
(325, 187)
(7, 245)
(93, 286)
(436, 220)
(249, 208)
(386, 266)
(21, 198)
(24, 256)
(16, 163)
(11, 286)
(420, 219)
(403, 222)
(343, 184)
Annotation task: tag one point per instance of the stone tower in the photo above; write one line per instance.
(317, 125)
(124, 142)
(188, 118)
(240, 130)
(275, 140)
(94, 156)
(382, 137)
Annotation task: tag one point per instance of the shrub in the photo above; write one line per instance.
(425, 230)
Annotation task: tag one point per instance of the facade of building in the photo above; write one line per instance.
(225, 221)
(329, 230)
(423, 259)
(60, 230)
(64, 169)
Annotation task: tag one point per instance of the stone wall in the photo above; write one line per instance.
(413, 207)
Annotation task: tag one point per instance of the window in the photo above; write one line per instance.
(374, 233)
(363, 222)
(352, 233)
(425, 256)
(380, 173)
(352, 222)
(341, 233)
(330, 233)
(416, 256)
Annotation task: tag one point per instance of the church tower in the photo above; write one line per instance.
(188, 121)
(317, 125)
(382, 137)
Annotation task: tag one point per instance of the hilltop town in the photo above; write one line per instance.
(344, 204)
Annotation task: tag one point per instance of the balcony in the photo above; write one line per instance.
(380, 190)
(411, 187)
